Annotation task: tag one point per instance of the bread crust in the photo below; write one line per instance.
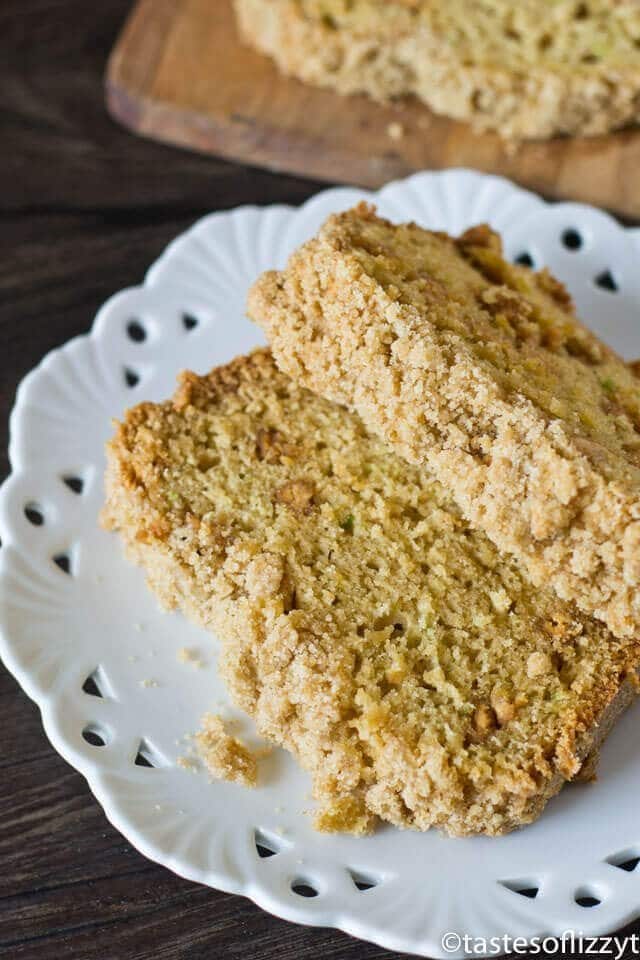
(415, 673)
(516, 88)
(479, 370)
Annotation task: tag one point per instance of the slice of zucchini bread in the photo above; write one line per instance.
(526, 69)
(416, 674)
(479, 370)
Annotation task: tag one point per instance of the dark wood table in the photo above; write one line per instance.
(84, 209)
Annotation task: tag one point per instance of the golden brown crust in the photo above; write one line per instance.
(413, 671)
(527, 70)
(478, 369)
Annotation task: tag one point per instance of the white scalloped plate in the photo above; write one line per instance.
(57, 628)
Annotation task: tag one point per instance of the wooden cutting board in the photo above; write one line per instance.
(180, 74)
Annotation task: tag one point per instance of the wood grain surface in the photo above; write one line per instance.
(180, 74)
(84, 209)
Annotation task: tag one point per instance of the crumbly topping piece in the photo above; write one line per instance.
(191, 656)
(224, 756)
(478, 369)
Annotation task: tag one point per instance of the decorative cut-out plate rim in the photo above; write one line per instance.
(246, 234)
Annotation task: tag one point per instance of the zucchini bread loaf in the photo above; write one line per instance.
(527, 69)
(416, 674)
(478, 369)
